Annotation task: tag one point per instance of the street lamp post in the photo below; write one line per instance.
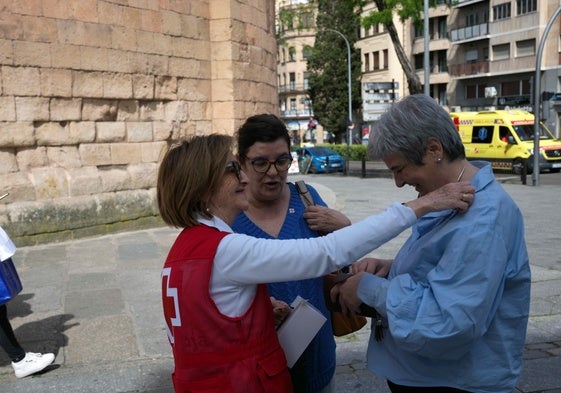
(426, 61)
(349, 137)
(537, 101)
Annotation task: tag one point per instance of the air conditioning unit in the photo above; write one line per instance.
(490, 92)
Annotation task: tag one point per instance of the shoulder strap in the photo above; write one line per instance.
(305, 195)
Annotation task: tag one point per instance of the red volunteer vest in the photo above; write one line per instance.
(213, 352)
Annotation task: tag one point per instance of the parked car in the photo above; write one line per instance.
(319, 159)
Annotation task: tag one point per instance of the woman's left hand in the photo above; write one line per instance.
(346, 294)
(280, 310)
(324, 219)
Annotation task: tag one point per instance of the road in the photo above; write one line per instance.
(378, 169)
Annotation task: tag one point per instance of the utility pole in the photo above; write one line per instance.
(537, 100)
(426, 54)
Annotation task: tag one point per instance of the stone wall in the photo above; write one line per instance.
(93, 92)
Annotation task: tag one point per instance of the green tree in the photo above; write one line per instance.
(328, 65)
(405, 9)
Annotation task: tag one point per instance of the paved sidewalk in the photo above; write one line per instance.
(96, 302)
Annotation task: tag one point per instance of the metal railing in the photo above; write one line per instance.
(470, 32)
(478, 67)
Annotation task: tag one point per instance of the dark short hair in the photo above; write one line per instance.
(260, 128)
(407, 127)
(189, 174)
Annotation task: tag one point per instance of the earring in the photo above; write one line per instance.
(438, 160)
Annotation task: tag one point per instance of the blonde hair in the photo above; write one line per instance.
(189, 174)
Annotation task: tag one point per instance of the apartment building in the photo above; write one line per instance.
(482, 56)
(296, 29)
(493, 52)
(383, 80)
(439, 46)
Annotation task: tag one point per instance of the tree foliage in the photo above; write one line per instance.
(328, 65)
(405, 10)
(297, 17)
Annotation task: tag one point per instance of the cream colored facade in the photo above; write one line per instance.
(383, 81)
(93, 92)
(296, 37)
(493, 55)
(482, 55)
(439, 45)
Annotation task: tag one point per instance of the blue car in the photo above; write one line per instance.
(319, 159)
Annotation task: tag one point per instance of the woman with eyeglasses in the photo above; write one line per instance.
(218, 314)
(276, 212)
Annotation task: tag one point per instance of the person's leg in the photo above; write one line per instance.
(24, 364)
(416, 389)
(8, 340)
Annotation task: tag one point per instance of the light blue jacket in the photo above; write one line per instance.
(457, 298)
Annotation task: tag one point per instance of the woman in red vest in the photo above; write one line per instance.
(218, 314)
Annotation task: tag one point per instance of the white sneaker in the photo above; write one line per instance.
(32, 363)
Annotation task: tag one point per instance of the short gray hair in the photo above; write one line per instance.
(407, 127)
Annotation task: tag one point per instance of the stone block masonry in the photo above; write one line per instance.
(92, 93)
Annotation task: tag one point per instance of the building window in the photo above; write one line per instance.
(419, 31)
(526, 6)
(442, 28)
(292, 54)
(526, 86)
(292, 76)
(501, 11)
(442, 96)
(293, 105)
(471, 55)
(442, 63)
(481, 90)
(376, 59)
(307, 20)
(385, 59)
(511, 88)
(306, 80)
(471, 19)
(306, 51)
(475, 91)
(501, 52)
(471, 91)
(526, 48)
(366, 62)
(419, 61)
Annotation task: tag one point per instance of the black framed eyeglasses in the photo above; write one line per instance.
(235, 168)
(262, 165)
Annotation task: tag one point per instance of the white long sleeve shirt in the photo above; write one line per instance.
(241, 262)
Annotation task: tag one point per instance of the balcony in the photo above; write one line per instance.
(464, 3)
(293, 88)
(470, 33)
(296, 113)
(478, 67)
